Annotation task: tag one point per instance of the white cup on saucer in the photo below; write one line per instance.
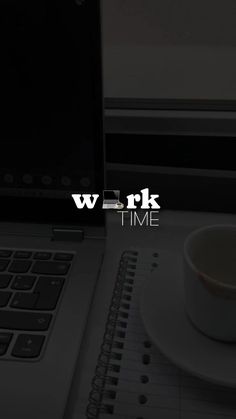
(210, 281)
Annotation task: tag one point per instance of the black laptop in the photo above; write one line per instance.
(51, 147)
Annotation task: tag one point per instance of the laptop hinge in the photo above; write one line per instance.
(67, 234)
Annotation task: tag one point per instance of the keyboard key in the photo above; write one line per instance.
(5, 280)
(49, 290)
(51, 268)
(64, 257)
(28, 346)
(22, 254)
(42, 255)
(5, 253)
(19, 266)
(23, 282)
(3, 264)
(5, 338)
(4, 298)
(17, 320)
(3, 349)
(24, 300)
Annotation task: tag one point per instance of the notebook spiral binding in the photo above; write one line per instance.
(118, 312)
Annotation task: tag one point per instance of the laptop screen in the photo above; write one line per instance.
(51, 101)
(111, 195)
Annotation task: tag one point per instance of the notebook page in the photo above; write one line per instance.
(141, 383)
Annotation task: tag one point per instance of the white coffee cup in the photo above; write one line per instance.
(210, 280)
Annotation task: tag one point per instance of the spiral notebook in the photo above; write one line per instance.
(133, 380)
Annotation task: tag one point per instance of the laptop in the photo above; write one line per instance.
(51, 146)
(111, 200)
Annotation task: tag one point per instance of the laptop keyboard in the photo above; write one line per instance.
(31, 283)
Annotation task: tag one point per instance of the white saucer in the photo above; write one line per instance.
(165, 320)
(119, 205)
